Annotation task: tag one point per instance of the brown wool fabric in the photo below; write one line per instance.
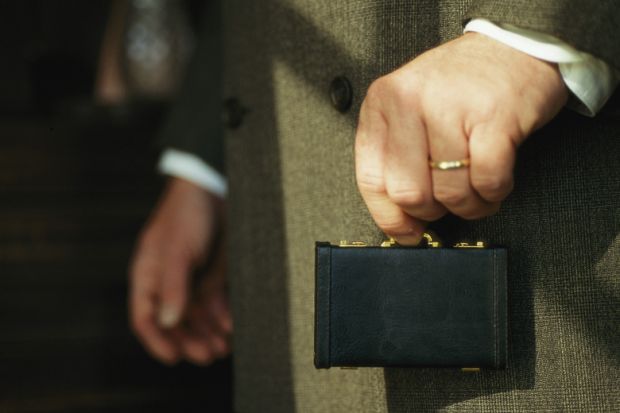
(291, 175)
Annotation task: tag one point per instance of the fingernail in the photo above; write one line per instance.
(408, 239)
(168, 317)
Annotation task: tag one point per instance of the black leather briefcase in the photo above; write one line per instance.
(392, 306)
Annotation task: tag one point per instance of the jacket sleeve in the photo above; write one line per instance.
(589, 26)
(194, 123)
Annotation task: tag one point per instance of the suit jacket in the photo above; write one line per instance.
(291, 174)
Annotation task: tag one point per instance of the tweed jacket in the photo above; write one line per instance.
(289, 157)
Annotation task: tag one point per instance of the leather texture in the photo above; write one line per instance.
(410, 307)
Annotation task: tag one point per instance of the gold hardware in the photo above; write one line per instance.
(478, 244)
(470, 369)
(344, 243)
(429, 240)
(432, 243)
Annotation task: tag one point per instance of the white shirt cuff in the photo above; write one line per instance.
(191, 168)
(591, 80)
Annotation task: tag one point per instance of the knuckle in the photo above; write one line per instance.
(433, 214)
(405, 91)
(408, 198)
(398, 89)
(486, 106)
(147, 251)
(449, 196)
(491, 186)
(376, 90)
(371, 184)
(393, 227)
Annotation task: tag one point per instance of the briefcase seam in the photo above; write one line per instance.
(329, 309)
(495, 306)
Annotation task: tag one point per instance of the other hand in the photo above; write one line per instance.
(472, 98)
(172, 322)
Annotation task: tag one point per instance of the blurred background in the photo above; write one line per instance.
(84, 87)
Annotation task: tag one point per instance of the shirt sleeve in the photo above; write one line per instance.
(591, 80)
(192, 168)
(193, 124)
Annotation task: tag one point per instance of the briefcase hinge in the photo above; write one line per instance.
(345, 243)
(478, 244)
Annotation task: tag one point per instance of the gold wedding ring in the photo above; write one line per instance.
(448, 165)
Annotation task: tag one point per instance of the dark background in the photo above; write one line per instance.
(77, 182)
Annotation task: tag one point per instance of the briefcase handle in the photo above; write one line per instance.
(432, 240)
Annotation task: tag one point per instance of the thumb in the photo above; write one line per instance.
(173, 291)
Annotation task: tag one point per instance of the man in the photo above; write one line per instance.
(297, 73)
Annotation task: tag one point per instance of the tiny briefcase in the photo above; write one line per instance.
(395, 306)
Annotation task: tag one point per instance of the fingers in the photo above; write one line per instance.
(217, 294)
(216, 340)
(173, 289)
(220, 313)
(203, 340)
(453, 188)
(492, 162)
(370, 147)
(407, 175)
(143, 299)
(206, 336)
(194, 345)
(218, 319)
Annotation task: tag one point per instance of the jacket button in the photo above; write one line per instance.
(233, 113)
(341, 94)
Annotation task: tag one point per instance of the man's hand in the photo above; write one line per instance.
(470, 98)
(177, 241)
